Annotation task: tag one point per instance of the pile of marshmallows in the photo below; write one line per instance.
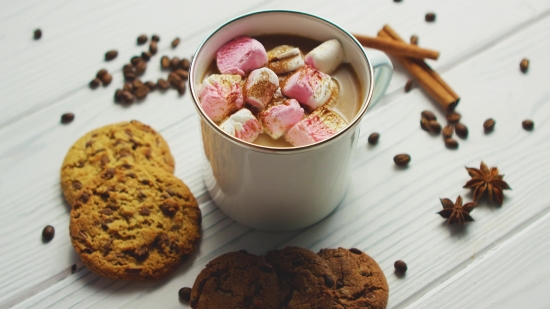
(278, 85)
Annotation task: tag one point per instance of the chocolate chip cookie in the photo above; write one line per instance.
(305, 279)
(134, 222)
(126, 142)
(360, 283)
(236, 280)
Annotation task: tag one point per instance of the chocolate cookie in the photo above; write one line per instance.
(236, 280)
(134, 222)
(305, 279)
(109, 146)
(360, 283)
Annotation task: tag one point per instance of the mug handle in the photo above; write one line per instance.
(383, 72)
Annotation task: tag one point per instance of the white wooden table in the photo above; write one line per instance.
(498, 261)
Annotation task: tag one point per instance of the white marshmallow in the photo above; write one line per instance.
(326, 57)
(242, 125)
(284, 59)
(260, 86)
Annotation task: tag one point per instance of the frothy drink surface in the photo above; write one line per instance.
(350, 93)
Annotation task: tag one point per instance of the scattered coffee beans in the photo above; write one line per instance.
(141, 92)
(184, 75)
(137, 83)
(414, 39)
(141, 67)
(135, 60)
(174, 79)
(67, 118)
(153, 47)
(37, 34)
(155, 38)
(524, 65)
(428, 115)
(451, 143)
(185, 64)
(453, 117)
(100, 73)
(175, 42)
(430, 17)
(528, 125)
(164, 62)
(129, 86)
(435, 127)
(94, 83)
(127, 97)
(408, 85)
(107, 79)
(110, 55)
(175, 63)
(447, 131)
(152, 86)
(128, 68)
(118, 95)
(146, 56)
(402, 159)
(489, 125)
(48, 233)
(461, 130)
(181, 87)
(163, 84)
(142, 39)
(373, 138)
(185, 294)
(400, 266)
(425, 124)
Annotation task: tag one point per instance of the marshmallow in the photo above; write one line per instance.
(284, 59)
(260, 87)
(326, 57)
(240, 56)
(279, 118)
(242, 125)
(309, 87)
(220, 95)
(320, 125)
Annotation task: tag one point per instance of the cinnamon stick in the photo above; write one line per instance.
(395, 47)
(428, 79)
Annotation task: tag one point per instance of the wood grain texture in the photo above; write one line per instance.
(388, 212)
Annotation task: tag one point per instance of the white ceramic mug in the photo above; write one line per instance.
(279, 189)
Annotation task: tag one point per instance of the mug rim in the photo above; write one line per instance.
(293, 149)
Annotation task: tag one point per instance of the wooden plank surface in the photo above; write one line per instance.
(389, 213)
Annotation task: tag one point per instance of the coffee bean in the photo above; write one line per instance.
(447, 131)
(73, 269)
(48, 233)
(453, 117)
(164, 62)
(400, 266)
(163, 84)
(142, 39)
(185, 64)
(402, 159)
(451, 143)
(128, 86)
(397, 0)
(489, 125)
(110, 55)
(175, 63)
(141, 67)
(107, 79)
(185, 294)
(155, 38)
(127, 97)
(524, 65)
(153, 47)
(184, 75)
(152, 86)
(94, 83)
(100, 73)
(414, 39)
(435, 127)
(430, 17)
(135, 60)
(136, 84)
(128, 68)
(174, 79)
(408, 85)
(461, 130)
(118, 95)
(424, 124)
(175, 42)
(428, 115)
(373, 138)
(67, 118)
(141, 92)
(181, 87)
(146, 56)
(37, 34)
(528, 125)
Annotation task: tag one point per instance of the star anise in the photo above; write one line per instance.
(455, 212)
(487, 180)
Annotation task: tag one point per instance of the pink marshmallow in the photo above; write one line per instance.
(309, 87)
(278, 119)
(221, 95)
(240, 56)
(242, 125)
(320, 125)
(260, 86)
